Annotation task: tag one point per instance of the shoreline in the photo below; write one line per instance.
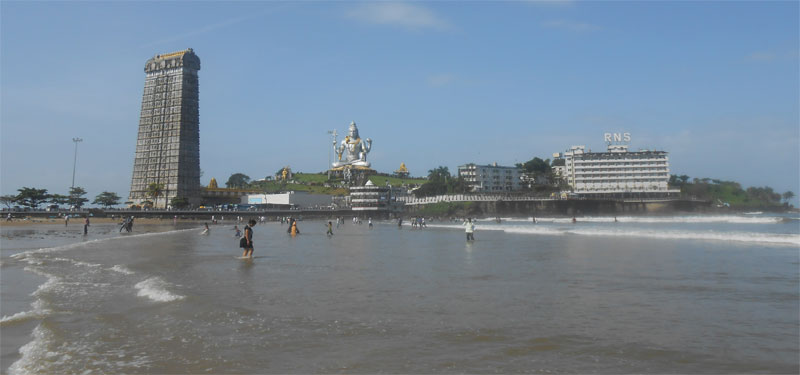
(78, 221)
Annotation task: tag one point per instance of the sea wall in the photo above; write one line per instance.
(570, 207)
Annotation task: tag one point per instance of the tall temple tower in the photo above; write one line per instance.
(168, 145)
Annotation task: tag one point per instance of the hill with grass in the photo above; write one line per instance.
(731, 194)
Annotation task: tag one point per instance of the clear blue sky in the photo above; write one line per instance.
(714, 83)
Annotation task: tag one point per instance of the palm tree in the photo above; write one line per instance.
(154, 190)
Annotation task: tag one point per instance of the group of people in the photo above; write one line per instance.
(238, 219)
(418, 222)
(246, 240)
(66, 222)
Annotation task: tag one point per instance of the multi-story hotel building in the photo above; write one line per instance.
(168, 144)
(490, 178)
(617, 172)
(370, 197)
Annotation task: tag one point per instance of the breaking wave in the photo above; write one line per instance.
(690, 219)
(38, 311)
(155, 288)
(763, 238)
(23, 255)
(122, 269)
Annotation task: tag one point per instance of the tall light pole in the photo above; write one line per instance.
(75, 162)
(333, 135)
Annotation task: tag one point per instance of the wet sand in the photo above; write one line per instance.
(78, 221)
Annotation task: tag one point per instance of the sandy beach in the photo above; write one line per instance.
(78, 221)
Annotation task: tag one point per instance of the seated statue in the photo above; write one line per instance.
(353, 149)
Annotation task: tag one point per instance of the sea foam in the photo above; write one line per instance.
(155, 288)
(690, 219)
(38, 311)
(122, 269)
(34, 356)
(25, 254)
(763, 238)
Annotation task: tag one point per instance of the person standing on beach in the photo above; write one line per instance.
(247, 240)
(470, 229)
(66, 220)
(330, 229)
(8, 218)
(369, 220)
(86, 225)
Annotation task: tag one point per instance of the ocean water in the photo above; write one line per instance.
(669, 294)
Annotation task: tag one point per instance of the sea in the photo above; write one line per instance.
(625, 294)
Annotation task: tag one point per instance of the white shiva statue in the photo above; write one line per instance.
(353, 148)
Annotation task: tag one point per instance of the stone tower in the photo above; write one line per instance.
(168, 145)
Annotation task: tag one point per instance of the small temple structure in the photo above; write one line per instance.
(215, 195)
(401, 172)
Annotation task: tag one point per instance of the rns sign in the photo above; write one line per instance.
(617, 137)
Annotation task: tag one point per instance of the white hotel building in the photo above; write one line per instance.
(370, 197)
(617, 173)
(490, 178)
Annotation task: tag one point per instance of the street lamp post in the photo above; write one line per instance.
(333, 135)
(75, 161)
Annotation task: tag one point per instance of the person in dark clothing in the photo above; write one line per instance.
(247, 240)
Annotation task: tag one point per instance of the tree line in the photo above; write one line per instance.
(33, 198)
(730, 192)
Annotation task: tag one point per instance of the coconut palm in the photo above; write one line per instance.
(154, 190)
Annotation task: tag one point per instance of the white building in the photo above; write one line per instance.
(291, 199)
(370, 197)
(490, 178)
(616, 172)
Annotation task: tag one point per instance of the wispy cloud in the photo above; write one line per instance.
(552, 2)
(570, 25)
(214, 26)
(198, 31)
(408, 16)
(762, 56)
(439, 80)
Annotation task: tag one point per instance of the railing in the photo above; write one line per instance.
(410, 200)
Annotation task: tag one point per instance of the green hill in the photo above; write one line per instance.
(731, 193)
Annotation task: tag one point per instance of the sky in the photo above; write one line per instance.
(716, 84)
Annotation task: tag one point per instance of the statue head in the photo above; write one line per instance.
(353, 130)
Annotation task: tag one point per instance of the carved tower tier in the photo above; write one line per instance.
(168, 144)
